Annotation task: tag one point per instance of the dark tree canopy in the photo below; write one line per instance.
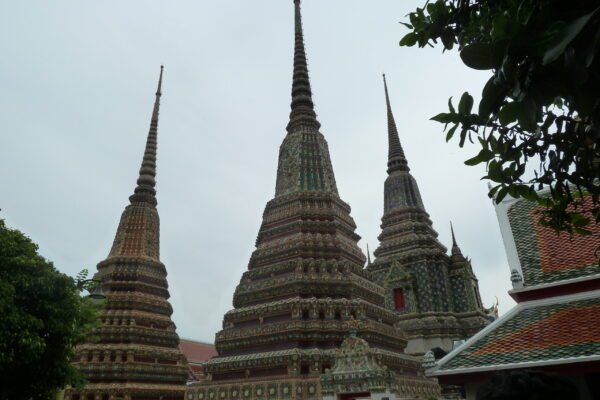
(541, 104)
(42, 316)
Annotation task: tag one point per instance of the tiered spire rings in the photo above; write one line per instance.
(145, 192)
(303, 112)
(396, 158)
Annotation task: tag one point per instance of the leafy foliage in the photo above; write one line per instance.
(42, 318)
(541, 104)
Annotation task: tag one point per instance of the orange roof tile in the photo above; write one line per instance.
(566, 327)
(197, 351)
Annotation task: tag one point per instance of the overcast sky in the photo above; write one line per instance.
(77, 87)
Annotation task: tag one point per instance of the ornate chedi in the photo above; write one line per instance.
(436, 296)
(359, 370)
(305, 280)
(137, 355)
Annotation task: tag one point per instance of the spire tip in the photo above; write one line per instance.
(455, 248)
(396, 159)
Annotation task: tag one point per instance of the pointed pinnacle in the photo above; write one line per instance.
(396, 158)
(368, 255)
(453, 237)
(303, 113)
(455, 248)
(144, 191)
(159, 88)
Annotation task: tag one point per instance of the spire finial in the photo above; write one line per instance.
(455, 248)
(368, 255)
(159, 88)
(303, 112)
(396, 158)
(144, 191)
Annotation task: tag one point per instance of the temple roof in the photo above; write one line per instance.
(197, 352)
(559, 330)
(557, 321)
(540, 254)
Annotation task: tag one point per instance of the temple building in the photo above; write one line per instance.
(555, 326)
(196, 353)
(306, 291)
(137, 356)
(436, 296)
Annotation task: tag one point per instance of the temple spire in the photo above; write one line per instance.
(303, 112)
(455, 248)
(396, 158)
(144, 191)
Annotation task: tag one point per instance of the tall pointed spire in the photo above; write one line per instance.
(455, 248)
(304, 161)
(303, 112)
(396, 158)
(145, 192)
(136, 354)
(138, 231)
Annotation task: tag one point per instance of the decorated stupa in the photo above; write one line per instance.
(137, 355)
(435, 295)
(305, 281)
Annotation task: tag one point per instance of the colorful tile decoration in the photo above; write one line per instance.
(441, 293)
(546, 256)
(541, 333)
(305, 281)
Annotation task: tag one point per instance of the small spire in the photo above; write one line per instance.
(455, 248)
(144, 191)
(396, 158)
(303, 109)
(368, 255)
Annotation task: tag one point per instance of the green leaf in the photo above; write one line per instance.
(592, 49)
(493, 191)
(445, 118)
(565, 36)
(451, 132)
(578, 219)
(474, 161)
(409, 39)
(502, 194)
(463, 136)
(409, 26)
(492, 97)
(466, 104)
(479, 56)
(582, 232)
(450, 106)
(527, 113)
(527, 192)
(509, 113)
(483, 156)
